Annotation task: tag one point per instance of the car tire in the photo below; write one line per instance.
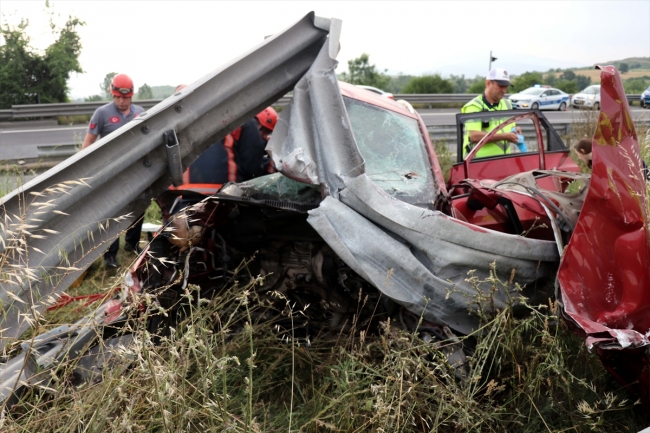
(562, 107)
(535, 106)
(597, 106)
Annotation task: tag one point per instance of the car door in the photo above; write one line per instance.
(554, 99)
(544, 100)
(555, 154)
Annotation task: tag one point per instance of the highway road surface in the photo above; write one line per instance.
(24, 142)
(17, 143)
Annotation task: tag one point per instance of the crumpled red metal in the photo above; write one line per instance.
(604, 275)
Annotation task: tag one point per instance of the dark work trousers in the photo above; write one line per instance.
(132, 238)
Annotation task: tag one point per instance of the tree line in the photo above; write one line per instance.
(361, 71)
(28, 76)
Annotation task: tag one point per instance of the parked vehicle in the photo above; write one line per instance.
(377, 91)
(540, 98)
(587, 98)
(645, 98)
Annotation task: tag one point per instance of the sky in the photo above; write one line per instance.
(172, 42)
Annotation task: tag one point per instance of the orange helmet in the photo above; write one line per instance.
(268, 118)
(122, 85)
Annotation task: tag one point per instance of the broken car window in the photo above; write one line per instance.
(394, 152)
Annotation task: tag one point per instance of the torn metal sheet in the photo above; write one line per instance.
(313, 141)
(420, 258)
(605, 274)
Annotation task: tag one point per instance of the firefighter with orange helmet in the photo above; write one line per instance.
(105, 120)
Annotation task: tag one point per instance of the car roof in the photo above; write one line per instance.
(361, 94)
(543, 88)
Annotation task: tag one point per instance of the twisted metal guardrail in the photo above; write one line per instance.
(120, 173)
(80, 108)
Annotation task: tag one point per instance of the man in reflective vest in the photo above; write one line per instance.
(496, 85)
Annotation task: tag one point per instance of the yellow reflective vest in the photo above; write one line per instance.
(477, 105)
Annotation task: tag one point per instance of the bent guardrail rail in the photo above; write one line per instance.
(57, 224)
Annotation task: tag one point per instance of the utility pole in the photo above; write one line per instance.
(492, 59)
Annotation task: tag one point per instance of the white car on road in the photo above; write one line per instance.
(377, 91)
(540, 98)
(588, 98)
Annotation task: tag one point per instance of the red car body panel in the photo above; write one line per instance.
(605, 274)
(509, 165)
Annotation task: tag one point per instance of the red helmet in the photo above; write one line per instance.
(122, 85)
(268, 118)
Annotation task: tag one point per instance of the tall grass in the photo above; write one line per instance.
(220, 369)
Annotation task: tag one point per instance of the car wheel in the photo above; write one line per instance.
(562, 107)
(535, 106)
(597, 106)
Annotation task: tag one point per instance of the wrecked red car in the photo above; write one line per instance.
(359, 221)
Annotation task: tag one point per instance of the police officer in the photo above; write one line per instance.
(496, 85)
(105, 120)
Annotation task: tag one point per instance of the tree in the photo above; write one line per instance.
(582, 82)
(144, 92)
(460, 83)
(28, 76)
(526, 80)
(550, 79)
(428, 84)
(623, 68)
(360, 71)
(567, 86)
(397, 83)
(478, 86)
(568, 75)
(105, 85)
(636, 85)
(94, 98)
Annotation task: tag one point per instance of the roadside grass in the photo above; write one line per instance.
(222, 370)
(73, 120)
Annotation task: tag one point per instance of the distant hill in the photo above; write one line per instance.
(632, 62)
(162, 92)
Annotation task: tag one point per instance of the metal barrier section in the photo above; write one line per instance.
(56, 225)
(78, 108)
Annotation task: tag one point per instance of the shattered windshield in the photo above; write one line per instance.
(394, 152)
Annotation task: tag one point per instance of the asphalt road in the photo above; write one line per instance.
(24, 143)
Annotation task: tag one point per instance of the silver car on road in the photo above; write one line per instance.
(588, 98)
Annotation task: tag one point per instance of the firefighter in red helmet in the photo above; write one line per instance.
(105, 120)
(267, 119)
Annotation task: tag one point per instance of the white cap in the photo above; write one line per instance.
(500, 76)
